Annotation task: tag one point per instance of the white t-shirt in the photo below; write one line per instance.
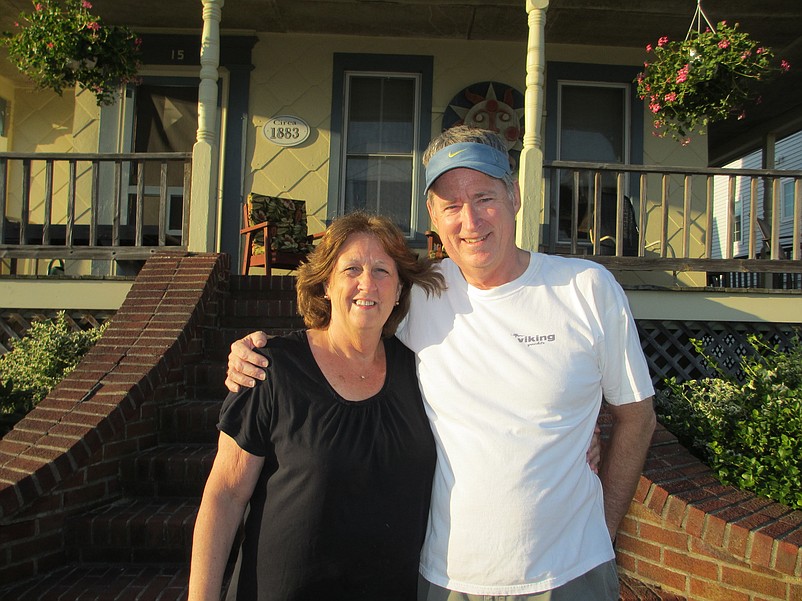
(512, 379)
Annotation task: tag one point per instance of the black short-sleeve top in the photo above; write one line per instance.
(340, 509)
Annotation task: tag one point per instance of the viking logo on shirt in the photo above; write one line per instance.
(536, 339)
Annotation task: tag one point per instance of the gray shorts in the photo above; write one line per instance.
(599, 584)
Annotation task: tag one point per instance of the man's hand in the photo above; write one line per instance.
(594, 451)
(245, 365)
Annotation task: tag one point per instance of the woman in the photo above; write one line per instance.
(333, 451)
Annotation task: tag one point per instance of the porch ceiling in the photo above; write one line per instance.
(777, 23)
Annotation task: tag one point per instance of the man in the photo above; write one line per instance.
(514, 358)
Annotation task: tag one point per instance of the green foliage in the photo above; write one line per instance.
(710, 76)
(60, 44)
(750, 432)
(40, 360)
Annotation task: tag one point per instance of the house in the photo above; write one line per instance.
(333, 102)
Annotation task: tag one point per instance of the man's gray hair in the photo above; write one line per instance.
(464, 133)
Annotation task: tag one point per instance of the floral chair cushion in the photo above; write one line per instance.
(288, 215)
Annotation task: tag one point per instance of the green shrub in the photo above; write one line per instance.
(40, 360)
(750, 432)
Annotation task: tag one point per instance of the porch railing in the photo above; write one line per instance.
(724, 222)
(93, 206)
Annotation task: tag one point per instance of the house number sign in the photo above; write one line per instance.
(285, 130)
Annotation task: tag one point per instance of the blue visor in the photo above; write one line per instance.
(470, 155)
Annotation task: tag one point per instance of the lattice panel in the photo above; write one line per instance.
(14, 323)
(669, 352)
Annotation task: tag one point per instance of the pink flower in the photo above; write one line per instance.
(93, 25)
(654, 107)
(682, 74)
(723, 44)
(760, 50)
(138, 42)
(648, 47)
(670, 97)
(746, 55)
(50, 44)
(86, 5)
(785, 65)
(662, 41)
(38, 7)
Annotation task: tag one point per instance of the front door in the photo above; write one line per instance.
(161, 116)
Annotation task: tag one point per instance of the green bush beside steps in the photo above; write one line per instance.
(748, 431)
(37, 362)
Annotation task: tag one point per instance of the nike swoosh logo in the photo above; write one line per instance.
(451, 155)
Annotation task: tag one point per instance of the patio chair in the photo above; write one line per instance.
(276, 233)
(434, 246)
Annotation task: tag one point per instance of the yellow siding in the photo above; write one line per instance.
(293, 76)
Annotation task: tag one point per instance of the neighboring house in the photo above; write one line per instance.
(787, 156)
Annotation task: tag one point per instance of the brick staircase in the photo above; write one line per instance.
(138, 546)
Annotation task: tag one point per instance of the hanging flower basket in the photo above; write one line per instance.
(60, 44)
(712, 75)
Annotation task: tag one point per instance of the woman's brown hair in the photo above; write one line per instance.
(315, 272)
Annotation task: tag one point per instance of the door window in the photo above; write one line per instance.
(592, 127)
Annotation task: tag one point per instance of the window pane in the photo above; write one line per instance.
(381, 115)
(380, 185)
(592, 124)
(788, 201)
(592, 129)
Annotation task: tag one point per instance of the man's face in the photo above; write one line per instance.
(475, 218)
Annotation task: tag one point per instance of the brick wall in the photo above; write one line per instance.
(64, 457)
(705, 541)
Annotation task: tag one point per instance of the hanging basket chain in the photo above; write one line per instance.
(696, 21)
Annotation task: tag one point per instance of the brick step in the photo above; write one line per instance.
(634, 590)
(274, 287)
(217, 341)
(105, 582)
(193, 421)
(262, 309)
(140, 531)
(169, 470)
(206, 379)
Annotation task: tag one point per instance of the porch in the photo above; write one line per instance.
(103, 208)
(659, 227)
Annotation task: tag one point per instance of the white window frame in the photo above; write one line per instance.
(413, 155)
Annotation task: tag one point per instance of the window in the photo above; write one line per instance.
(593, 115)
(787, 201)
(599, 136)
(380, 105)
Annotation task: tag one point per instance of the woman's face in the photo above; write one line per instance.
(364, 285)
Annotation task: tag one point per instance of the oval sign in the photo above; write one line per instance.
(286, 130)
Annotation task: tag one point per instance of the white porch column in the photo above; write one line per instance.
(530, 174)
(205, 159)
